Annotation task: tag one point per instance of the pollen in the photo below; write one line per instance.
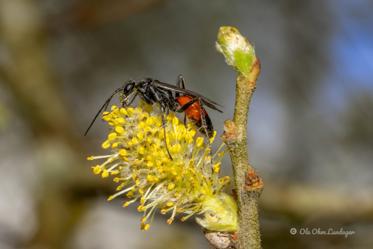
(186, 185)
(199, 142)
(119, 129)
(216, 167)
(112, 136)
(171, 186)
(105, 144)
(96, 169)
(122, 152)
(145, 227)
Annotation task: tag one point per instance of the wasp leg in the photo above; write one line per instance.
(165, 138)
(164, 111)
(181, 83)
(133, 98)
(204, 127)
(203, 120)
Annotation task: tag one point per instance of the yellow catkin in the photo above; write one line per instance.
(139, 163)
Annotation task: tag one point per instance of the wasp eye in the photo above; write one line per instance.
(128, 88)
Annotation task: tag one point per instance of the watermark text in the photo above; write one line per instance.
(321, 231)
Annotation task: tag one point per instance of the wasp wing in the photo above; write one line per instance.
(208, 102)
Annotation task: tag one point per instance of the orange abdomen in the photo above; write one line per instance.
(194, 111)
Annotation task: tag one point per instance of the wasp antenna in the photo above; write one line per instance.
(103, 107)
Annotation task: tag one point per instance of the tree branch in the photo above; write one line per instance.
(248, 185)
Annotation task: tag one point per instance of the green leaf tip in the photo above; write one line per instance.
(237, 50)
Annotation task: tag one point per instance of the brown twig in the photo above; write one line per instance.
(248, 184)
(239, 53)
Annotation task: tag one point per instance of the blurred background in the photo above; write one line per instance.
(311, 120)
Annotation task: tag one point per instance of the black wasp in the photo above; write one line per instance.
(170, 98)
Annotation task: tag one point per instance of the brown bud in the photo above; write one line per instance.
(230, 131)
(253, 181)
